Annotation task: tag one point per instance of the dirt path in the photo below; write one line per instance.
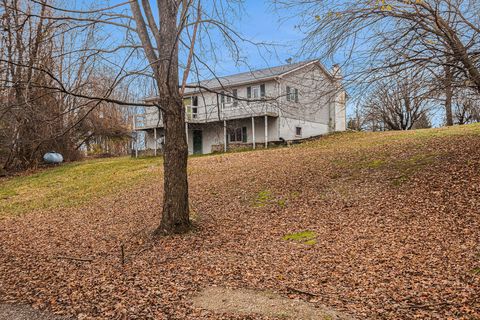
(23, 312)
(253, 302)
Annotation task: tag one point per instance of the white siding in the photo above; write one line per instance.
(320, 109)
(309, 128)
(316, 94)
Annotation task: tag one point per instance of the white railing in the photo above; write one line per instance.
(210, 113)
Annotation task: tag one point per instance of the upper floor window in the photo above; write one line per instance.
(191, 101)
(191, 105)
(292, 94)
(235, 95)
(256, 92)
(228, 98)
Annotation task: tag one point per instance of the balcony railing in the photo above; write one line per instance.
(211, 113)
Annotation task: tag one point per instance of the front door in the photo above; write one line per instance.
(197, 142)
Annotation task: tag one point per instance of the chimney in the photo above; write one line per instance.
(336, 72)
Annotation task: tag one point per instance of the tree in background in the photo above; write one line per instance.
(440, 37)
(398, 105)
(36, 115)
(466, 107)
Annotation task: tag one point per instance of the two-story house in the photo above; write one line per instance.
(251, 109)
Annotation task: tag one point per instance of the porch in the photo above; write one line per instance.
(152, 118)
(219, 136)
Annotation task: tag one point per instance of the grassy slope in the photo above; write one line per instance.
(77, 183)
(73, 184)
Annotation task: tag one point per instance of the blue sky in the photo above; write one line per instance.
(259, 21)
(262, 23)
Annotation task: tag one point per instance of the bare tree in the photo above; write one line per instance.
(466, 107)
(36, 115)
(357, 120)
(438, 36)
(398, 105)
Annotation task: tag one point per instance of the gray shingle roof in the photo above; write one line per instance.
(246, 77)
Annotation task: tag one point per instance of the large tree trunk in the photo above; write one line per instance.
(175, 217)
(448, 96)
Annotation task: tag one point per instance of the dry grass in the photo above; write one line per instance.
(74, 184)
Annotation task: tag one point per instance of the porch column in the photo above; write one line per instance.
(224, 136)
(134, 142)
(253, 132)
(266, 132)
(155, 139)
(186, 132)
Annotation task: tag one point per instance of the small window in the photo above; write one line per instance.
(194, 112)
(195, 101)
(229, 99)
(238, 134)
(298, 131)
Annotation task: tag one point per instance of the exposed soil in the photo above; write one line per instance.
(23, 312)
(266, 303)
(396, 228)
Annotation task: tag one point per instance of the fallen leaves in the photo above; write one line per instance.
(383, 250)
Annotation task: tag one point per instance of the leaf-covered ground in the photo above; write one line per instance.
(375, 225)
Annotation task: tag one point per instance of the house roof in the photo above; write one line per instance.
(252, 76)
(247, 77)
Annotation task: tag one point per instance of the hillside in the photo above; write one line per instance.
(374, 225)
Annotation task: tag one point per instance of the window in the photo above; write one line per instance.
(256, 92)
(222, 98)
(195, 101)
(225, 98)
(292, 94)
(298, 131)
(238, 134)
(235, 95)
(194, 112)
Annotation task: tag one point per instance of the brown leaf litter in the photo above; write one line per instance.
(397, 236)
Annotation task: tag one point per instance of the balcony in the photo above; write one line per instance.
(205, 114)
